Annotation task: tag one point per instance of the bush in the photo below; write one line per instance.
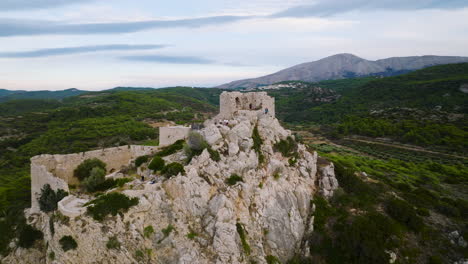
(49, 198)
(404, 213)
(192, 235)
(96, 177)
(139, 255)
(243, 238)
(287, 147)
(169, 150)
(111, 183)
(68, 243)
(196, 141)
(167, 231)
(113, 243)
(214, 154)
(148, 231)
(83, 170)
(156, 164)
(140, 160)
(270, 259)
(172, 169)
(112, 203)
(28, 236)
(233, 179)
(257, 145)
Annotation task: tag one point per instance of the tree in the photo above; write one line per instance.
(83, 170)
(96, 177)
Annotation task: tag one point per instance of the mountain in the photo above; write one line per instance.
(7, 95)
(345, 66)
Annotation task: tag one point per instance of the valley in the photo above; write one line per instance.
(398, 145)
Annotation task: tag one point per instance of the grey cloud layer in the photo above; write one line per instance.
(10, 5)
(168, 59)
(332, 7)
(11, 27)
(75, 50)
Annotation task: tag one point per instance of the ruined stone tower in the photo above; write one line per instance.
(237, 103)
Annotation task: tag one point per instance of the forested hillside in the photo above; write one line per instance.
(419, 195)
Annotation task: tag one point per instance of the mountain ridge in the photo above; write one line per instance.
(345, 65)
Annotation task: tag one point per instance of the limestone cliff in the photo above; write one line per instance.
(198, 217)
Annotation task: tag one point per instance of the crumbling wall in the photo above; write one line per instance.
(169, 135)
(237, 103)
(41, 176)
(57, 170)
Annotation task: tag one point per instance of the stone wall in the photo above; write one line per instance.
(234, 103)
(169, 135)
(57, 170)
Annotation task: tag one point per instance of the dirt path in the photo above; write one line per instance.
(405, 147)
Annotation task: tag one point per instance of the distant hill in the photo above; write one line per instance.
(7, 95)
(345, 65)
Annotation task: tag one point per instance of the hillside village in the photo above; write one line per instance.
(239, 189)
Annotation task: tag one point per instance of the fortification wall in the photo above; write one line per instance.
(232, 103)
(169, 135)
(57, 170)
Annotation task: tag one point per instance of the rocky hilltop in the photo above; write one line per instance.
(345, 66)
(247, 197)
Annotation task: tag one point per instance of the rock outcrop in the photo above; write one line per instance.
(199, 218)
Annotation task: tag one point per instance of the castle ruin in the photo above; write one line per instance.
(237, 104)
(57, 170)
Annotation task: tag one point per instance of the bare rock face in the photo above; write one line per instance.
(268, 212)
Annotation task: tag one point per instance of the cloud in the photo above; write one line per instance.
(12, 5)
(13, 27)
(332, 7)
(75, 50)
(168, 59)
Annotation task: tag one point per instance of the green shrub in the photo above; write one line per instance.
(139, 255)
(270, 259)
(192, 235)
(276, 175)
(363, 239)
(51, 225)
(49, 198)
(52, 255)
(172, 169)
(169, 150)
(112, 203)
(167, 231)
(233, 179)
(435, 260)
(257, 145)
(113, 243)
(447, 209)
(287, 147)
(196, 141)
(96, 178)
(156, 164)
(423, 212)
(140, 160)
(243, 238)
(111, 183)
(404, 213)
(28, 236)
(83, 170)
(68, 243)
(214, 154)
(148, 231)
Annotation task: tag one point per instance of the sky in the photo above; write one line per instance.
(101, 44)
